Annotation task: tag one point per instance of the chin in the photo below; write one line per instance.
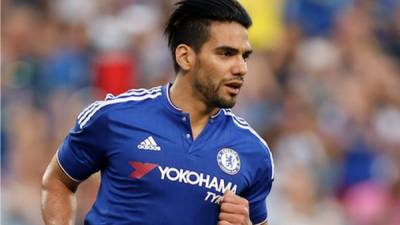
(227, 104)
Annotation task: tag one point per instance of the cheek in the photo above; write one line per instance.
(216, 70)
(212, 70)
(214, 63)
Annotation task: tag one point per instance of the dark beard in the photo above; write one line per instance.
(209, 93)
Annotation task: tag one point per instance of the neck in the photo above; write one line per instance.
(189, 100)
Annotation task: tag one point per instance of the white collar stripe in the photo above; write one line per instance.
(169, 100)
(89, 114)
(237, 119)
(135, 92)
(90, 107)
(132, 92)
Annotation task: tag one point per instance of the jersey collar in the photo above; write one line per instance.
(167, 99)
(175, 109)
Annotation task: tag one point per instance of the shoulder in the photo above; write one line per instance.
(132, 99)
(241, 127)
(253, 140)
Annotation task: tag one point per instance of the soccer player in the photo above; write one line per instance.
(174, 154)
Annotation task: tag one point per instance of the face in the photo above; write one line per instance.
(220, 65)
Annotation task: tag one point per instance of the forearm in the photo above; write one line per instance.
(58, 206)
(58, 199)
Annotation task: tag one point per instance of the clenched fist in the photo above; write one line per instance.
(234, 210)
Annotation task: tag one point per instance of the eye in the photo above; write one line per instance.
(228, 53)
(246, 57)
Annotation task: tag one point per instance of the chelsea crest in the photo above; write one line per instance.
(229, 161)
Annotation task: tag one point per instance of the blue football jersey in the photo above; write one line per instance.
(154, 172)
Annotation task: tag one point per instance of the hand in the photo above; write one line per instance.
(234, 210)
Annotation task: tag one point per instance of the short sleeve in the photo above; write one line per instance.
(82, 152)
(258, 192)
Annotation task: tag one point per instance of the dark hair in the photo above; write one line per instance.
(189, 22)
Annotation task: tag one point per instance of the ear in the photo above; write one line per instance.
(185, 57)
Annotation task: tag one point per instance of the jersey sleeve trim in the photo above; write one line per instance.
(266, 219)
(65, 172)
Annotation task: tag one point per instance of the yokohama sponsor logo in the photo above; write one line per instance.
(196, 179)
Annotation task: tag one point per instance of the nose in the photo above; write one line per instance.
(240, 67)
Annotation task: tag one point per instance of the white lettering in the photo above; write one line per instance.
(209, 194)
(215, 198)
(234, 189)
(213, 184)
(170, 177)
(205, 181)
(182, 175)
(195, 175)
(212, 197)
(199, 179)
(222, 188)
(218, 200)
(163, 172)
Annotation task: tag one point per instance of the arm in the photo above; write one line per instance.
(58, 196)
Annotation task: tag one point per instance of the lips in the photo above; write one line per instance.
(234, 87)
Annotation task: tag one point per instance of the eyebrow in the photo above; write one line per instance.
(233, 50)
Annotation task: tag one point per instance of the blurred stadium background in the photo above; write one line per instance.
(323, 89)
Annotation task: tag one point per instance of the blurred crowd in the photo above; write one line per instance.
(323, 89)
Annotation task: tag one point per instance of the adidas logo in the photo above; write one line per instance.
(149, 144)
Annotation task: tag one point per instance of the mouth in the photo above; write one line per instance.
(234, 87)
